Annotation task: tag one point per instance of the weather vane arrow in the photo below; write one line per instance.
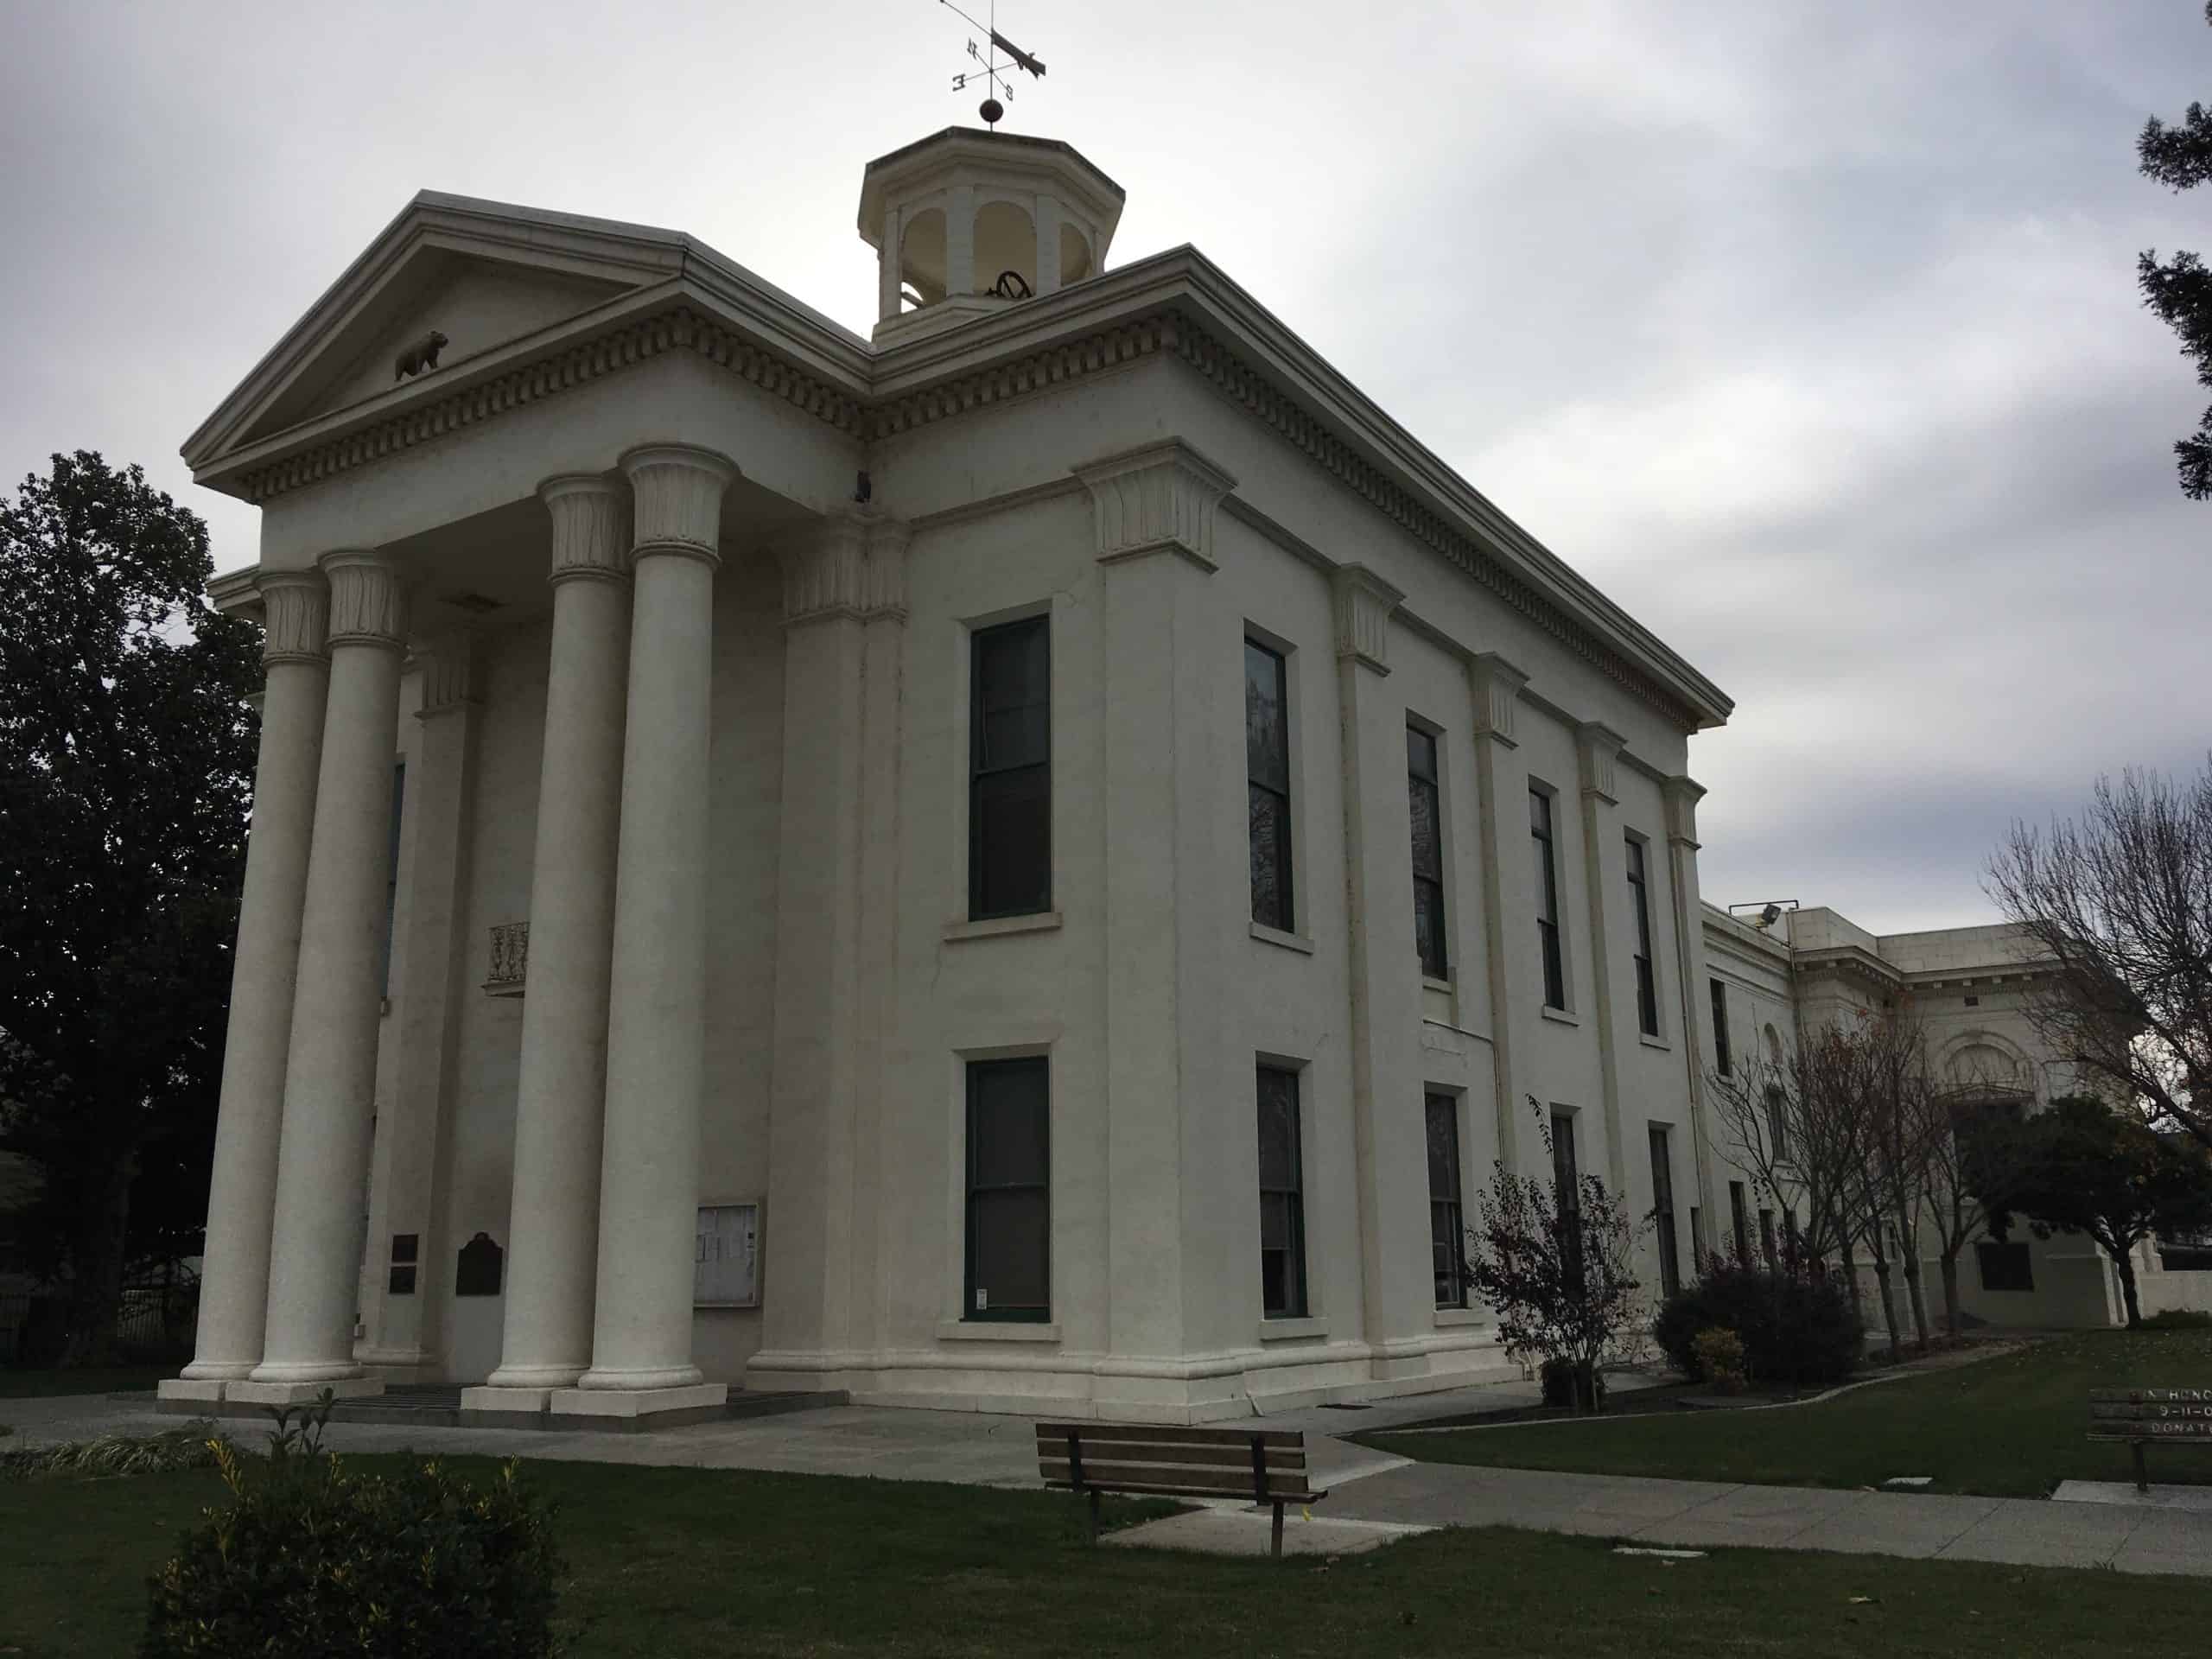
(993, 73)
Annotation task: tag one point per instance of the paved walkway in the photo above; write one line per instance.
(1366, 1487)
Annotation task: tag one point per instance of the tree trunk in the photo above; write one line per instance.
(2125, 1261)
(1889, 1303)
(1951, 1290)
(96, 1264)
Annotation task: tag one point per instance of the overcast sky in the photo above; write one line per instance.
(1806, 331)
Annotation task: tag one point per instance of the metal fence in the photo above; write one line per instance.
(153, 1322)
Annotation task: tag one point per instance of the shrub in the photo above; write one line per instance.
(191, 1446)
(1719, 1356)
(1794, 1327)
(2178, 1319)
(1564, 1387)
(312, 1559)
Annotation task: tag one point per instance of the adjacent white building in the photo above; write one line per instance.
(1034, 860)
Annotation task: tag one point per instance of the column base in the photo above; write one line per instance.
(489, 1406)
(634, 1409)
(300, 1393)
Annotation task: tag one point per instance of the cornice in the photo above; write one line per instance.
(1177, 304)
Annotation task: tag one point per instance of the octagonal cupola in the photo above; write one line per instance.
(967, 222)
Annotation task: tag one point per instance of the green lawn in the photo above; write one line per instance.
(2010, 1427)
(677, 1562)
(16, 1384)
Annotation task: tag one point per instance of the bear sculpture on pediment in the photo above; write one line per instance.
(419, 356)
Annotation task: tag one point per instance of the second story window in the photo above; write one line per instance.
(1724, 1061)
(1010, 770)
(1539, 828)
(1647, 984)
(1266, 769)
(1426, 801)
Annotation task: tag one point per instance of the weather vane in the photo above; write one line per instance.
(995, 76)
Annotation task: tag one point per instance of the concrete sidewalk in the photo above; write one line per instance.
(1366, 1485)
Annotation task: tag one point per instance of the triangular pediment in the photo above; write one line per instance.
(482, 274)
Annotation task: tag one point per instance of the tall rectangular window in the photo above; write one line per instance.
(1447, 1229)
(1282, 1197)
(1540, 830)
(1724, 1061)
(1739, 1221)
(1010, 770)
(1663, 1209)
(1266, 769)
(1009, 1190)
(1425, 800)
(1647, 984)
(1766, 1237)
(1566, 1194)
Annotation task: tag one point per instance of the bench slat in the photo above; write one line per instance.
(1235, 1457)
(1128, 1477)
(1171, 1434)
(1062, 1483)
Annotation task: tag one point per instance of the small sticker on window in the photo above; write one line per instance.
(982, 1300)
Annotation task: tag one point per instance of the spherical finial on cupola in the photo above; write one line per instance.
(992, 111)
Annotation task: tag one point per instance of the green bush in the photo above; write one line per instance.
(1794, 1327)
(191, 1446)
(1719, 1356)
(311, 1559)
(2178, 1319)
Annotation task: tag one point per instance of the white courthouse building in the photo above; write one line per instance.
(1031, 860)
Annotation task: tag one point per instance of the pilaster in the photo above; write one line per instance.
(1502, 781)
(1598, 748)
(1158, 497)
(1680, 795)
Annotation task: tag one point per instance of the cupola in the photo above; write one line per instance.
(967, 222)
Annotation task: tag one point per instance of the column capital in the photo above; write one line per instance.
(295, 616)
(1363, 603)
(368, 602)
(1598, 745)
(1158, 497)
(448, 667)
(1682, 794)
(883, 587)
(1497, 685)
(824, 568)
(678, 491)
(586, 513)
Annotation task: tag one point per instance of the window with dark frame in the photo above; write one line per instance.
(1282, 1199)
(1777, 1118)
(1663, 1209)
(1010, 770)
(1647, 984)
(2006, 1266)
(1566, 1194)
(1267, 769)
(1447, 1227)
(1425, 800)
(1724, 1061)
(1766, 1236)
(1740, 1219)
(1009, 1223)
(1540, 830)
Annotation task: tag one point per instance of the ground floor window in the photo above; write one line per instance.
(1447, 1227)
(1009, 1190)
(1282, 1197)
(2005, 1267)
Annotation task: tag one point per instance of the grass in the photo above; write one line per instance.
(678, 1563)
(2009, 1426)
(21, 1384)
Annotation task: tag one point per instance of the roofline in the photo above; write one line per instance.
(1024, 139)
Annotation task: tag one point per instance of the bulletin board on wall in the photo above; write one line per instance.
(726, 1269)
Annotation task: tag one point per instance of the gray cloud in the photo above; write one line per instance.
(1808, 331)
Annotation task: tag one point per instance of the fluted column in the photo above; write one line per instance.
(330, 1072)
(655, 1027)
(553, 1254)
(241, 1198)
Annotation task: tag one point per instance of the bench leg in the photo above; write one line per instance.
(1278, 1532)
(1093, 1514)
(2142, 1477)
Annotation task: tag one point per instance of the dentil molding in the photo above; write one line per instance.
(1362, 602)
(1161, 498)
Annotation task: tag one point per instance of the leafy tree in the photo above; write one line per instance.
(126, 762)
(2180, 289)
(2081, 1167)
(1556, 1263)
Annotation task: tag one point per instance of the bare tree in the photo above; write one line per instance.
(2120, 901)
(1797, 1138)
(1884, 1059)
(1971, 1159)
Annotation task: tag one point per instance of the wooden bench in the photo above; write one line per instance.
(1267, 1465)
(2140, 1417)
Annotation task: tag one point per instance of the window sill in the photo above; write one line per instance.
(1561, 1016)
(1268, 935)
(997, 1330)
(1043, 921)
(1448, 1317)
(1293, 1330)
(1659, 1043)
(1432, 982)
